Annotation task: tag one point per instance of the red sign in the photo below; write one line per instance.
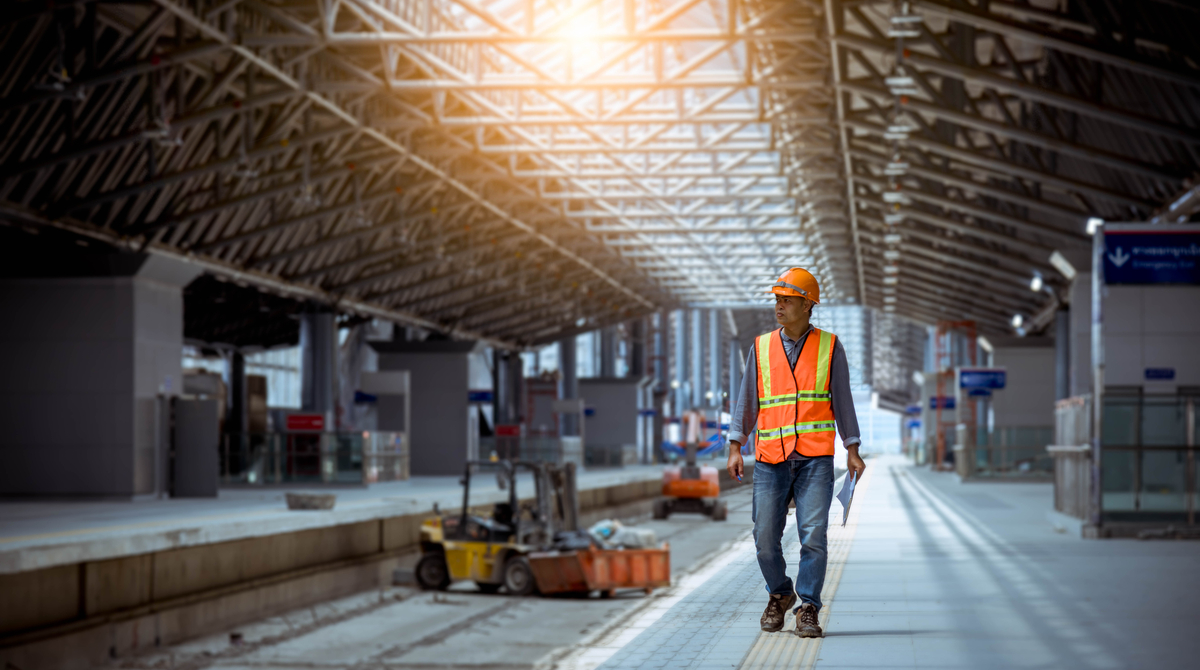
(311, 422)
(510, 430)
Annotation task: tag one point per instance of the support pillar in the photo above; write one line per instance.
(608, 352)
(236, 417)
(637, 348)
(1062, 354)
(697, 355)
(735, 369)
(90, 365)
(679, 383)
(318, 368)
(714, 359)
(568, 425)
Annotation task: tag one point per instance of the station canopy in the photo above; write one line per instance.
(520, 170)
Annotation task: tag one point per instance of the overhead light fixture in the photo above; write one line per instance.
(891, 281)
(1036, 283)
(1094, 224)
(895, 197)
(1017, 321)
(891, 255)
(674, 383)
(891, 269)
(889, 299)
(893, 219)
(896, 169)
(892, 238)
(889, 308)
(1064, 266)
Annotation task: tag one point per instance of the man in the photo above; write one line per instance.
(796, 387)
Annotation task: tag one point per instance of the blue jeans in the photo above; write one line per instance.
(810, 483)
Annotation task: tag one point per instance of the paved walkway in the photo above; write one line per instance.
(937, 574)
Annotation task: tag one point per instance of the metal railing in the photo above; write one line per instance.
(364, 457)
(1150, 483)
(1014, 451)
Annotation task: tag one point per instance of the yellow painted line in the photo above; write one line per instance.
(785, 650)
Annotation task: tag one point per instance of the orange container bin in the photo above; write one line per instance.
(604, 570)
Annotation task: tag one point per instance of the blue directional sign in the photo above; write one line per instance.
(947, 402)
(979, 393)
(479, 396)
(1166, 374)
(1152, 254)
(982, 378)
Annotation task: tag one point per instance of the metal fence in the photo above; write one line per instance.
(364, 457)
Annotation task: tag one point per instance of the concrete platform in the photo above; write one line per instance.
(36, 535)
(81, 581)
(935, 573)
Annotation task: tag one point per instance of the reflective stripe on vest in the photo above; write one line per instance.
(804, 415)
(796, 429)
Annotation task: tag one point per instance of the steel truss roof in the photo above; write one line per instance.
(522, 169)
(1027, 119)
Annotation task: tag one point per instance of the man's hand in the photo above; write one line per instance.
(854, 462)
(735, 460)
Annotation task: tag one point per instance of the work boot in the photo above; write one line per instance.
(777, 608)
(806, 622)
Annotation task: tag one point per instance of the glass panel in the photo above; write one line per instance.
(1164, 480)
(1118, 479)
(1163, 421)
(1120, 421)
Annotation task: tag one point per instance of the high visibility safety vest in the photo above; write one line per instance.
(795, 408)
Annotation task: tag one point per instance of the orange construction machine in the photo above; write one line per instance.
(692, 487)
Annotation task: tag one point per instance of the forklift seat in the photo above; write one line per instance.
(502, 513)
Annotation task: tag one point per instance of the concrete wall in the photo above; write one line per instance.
(615, 402)
(1144, 327)
(1028, 399)
(83, 361)
(440, 375)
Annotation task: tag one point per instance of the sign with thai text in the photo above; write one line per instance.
(1152, 254)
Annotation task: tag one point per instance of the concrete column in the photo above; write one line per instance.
(697, 355)
(318, 369)
(714, 358)
(679, 369)
(1062, 354)
(236, 417)
(568, 424)
(608, 352)
(88, 365)
(735, 369)
(660, 322)
(637, 348)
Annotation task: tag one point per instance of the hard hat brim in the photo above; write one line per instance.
(779, 290)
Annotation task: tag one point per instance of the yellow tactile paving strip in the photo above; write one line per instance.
(784, 650)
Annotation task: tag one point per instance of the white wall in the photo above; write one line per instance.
(1028, 396)
(1144, 327)
(440, 375)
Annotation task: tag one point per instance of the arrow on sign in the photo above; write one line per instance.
(1120, 258)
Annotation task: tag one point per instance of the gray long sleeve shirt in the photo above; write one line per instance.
(745, 412)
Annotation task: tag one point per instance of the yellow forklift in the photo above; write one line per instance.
(493, 551)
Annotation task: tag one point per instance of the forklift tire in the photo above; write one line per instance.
(719, 511)
(661, 511)
(518, 577)
(431, 573)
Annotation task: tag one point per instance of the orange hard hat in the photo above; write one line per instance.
(797, 282)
